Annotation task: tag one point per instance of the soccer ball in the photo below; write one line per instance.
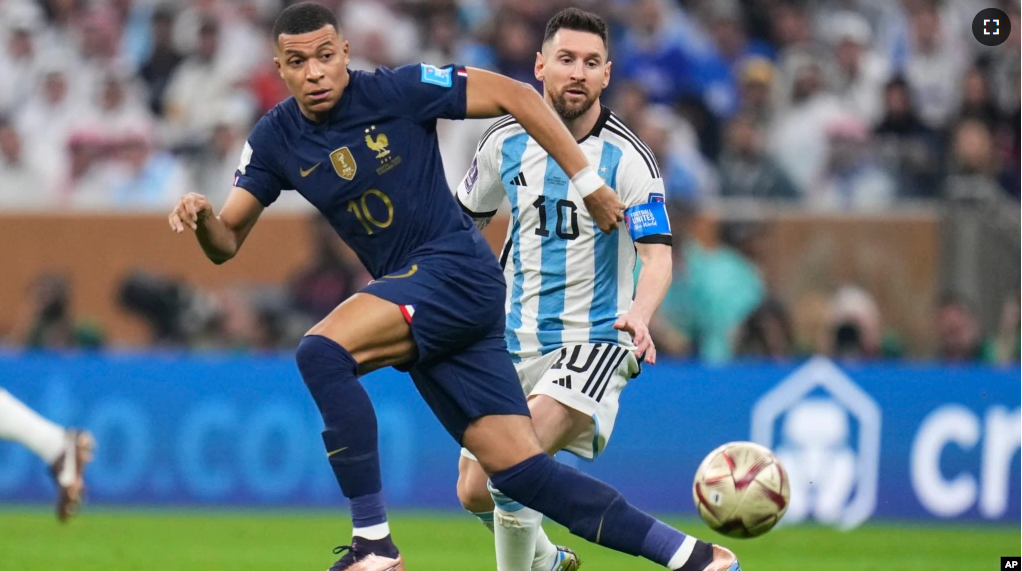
(741, 489)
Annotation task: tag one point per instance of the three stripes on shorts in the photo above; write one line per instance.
(608, 358)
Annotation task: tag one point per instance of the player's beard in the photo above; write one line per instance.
(569, 111)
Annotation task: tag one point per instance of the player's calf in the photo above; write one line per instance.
(350, 437)
(521, 543)
(587, 507)
(598, 513)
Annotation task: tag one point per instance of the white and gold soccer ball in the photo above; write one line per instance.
(741, 489)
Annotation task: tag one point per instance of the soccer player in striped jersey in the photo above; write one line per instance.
(575, 334)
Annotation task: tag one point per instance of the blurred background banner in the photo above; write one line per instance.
(862, 441)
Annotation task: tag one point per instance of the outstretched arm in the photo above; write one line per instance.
(220, 236)
(492, 95)
(654, 279)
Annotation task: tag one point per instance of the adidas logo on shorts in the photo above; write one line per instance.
(564, 382)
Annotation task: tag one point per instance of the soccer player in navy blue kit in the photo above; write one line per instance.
(362, 148)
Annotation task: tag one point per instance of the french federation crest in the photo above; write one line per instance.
(344, 163)
(378, 144)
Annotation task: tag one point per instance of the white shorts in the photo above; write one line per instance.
(588, 378)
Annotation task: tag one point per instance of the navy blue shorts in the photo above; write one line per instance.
(456, 312)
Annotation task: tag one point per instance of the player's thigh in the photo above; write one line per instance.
(557, 425)
(578, 396)
(472, 491)
(501, 441)
(372, 329)
(476, 381)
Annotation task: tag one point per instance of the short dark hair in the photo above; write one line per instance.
(303, 18)
(578, 20)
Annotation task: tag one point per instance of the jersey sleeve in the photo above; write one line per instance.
(642, 191)
(423, 92)
(258, 171)
(481, 192)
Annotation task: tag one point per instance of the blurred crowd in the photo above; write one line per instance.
(846, 324)
(242, 317)
(718, 309)
(833, 104)
(826, 105)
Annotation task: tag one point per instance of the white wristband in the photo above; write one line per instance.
(586, 181)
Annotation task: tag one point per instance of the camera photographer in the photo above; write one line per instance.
(47, 322)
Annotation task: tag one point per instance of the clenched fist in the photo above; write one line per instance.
(190, 210)
(606, 208)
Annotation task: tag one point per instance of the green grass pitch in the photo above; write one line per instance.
(122, 540)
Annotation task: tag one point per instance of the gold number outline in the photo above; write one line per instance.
(365, 217)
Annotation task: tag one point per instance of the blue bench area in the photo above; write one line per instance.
(878, 441)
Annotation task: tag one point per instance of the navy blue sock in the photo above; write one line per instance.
(662, 541)
(591, 509)
(350, 434)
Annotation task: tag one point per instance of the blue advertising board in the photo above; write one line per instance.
(859, 441)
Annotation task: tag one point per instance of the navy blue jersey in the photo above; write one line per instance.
(373, 167)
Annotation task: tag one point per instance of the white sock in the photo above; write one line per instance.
(374, 532)
(521, 543)
(515, 534)
(21, 424)
(546, 551)
(681, 556)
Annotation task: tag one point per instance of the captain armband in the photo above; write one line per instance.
(649, 220)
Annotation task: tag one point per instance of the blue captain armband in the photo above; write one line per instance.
(646, 220)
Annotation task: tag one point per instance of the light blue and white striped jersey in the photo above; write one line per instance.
(567, 281)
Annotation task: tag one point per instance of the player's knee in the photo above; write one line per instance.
(472, 492)
(306, 357)
(320, 359)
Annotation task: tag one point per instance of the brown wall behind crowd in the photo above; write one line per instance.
(895, 258)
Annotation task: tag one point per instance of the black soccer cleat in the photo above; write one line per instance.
(368, 555)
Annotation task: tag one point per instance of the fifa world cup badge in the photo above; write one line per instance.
(344, 163)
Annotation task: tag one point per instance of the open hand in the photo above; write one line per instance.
(639, 330)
